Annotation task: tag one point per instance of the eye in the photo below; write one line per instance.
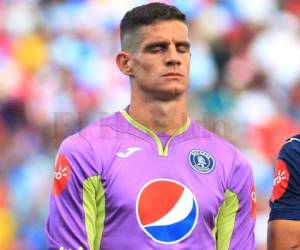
(156, 49)
(183, 48)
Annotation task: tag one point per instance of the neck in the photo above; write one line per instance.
(162, 117)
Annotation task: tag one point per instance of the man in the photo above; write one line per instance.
(147, 177)
(284, 222)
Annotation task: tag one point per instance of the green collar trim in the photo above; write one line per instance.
(161, 150)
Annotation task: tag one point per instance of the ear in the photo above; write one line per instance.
(124, 63)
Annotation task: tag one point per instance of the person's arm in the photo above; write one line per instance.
(76, 212)
(284, 222)
(283, 234)
(236, 219)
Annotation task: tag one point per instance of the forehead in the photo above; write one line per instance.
(169, 30)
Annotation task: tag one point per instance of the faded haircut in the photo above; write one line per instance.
(143, 15)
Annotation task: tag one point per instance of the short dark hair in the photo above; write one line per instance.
(146, 15)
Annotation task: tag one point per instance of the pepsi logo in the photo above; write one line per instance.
(167, 211)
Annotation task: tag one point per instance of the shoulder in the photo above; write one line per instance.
(234, 169)
(285, 202)
(289, 155)
(291, 149)
(288, 160)
(230, 157)
(91, 138)
(222, 146)
(102, 128)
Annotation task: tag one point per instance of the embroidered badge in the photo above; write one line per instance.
(201, 161)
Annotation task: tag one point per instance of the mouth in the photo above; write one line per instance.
(173, 74)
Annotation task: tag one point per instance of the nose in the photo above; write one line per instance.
(172, 57)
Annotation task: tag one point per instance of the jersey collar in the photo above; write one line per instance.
(162, 151)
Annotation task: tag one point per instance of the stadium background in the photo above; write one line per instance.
(57, 73)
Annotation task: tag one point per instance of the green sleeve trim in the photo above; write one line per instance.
(94, 210)
(161, 150)
(225, 220)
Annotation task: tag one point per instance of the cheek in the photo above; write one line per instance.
(148, 71)
(141, 68)
(188, 61)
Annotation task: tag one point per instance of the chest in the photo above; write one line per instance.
(138, 180)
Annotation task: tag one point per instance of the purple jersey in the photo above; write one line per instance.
(117, 187)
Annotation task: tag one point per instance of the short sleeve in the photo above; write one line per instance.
(285, 199)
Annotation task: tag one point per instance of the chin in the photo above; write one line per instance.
(170, 93)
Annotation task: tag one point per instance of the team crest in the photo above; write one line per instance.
(201, 161)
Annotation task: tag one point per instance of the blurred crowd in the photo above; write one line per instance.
(58, 73)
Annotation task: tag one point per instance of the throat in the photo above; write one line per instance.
(163, 118)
